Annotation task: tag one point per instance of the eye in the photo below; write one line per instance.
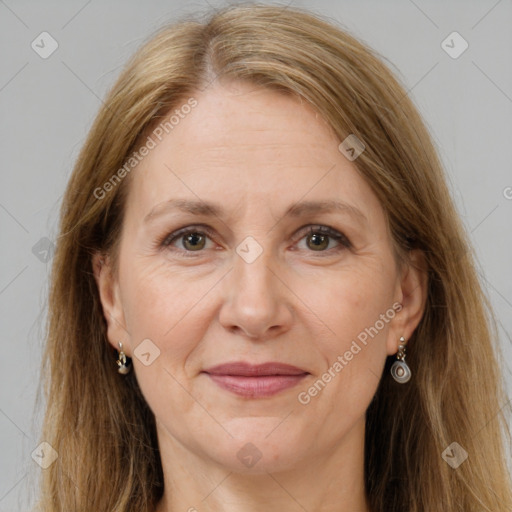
(191, 238)
(318, 239)
(194, 239)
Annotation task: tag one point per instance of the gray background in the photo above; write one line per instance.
(47, 106)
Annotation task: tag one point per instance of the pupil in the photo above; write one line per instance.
(319, 241)
(193, 239)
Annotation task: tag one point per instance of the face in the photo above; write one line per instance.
(215, 268)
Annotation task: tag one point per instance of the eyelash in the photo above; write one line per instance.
(204, 230)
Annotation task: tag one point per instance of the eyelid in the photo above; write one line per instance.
(199, 228)
(323, 229)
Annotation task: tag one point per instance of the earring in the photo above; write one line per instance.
(124, 366)
(400, 369)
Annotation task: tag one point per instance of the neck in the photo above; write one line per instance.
(332, 481)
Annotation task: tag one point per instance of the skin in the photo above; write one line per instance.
(256, 153)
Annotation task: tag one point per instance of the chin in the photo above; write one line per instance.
(259, 446)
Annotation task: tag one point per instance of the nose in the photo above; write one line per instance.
(256, 301)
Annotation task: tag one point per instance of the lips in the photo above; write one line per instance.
(255, 381)
(243, 369)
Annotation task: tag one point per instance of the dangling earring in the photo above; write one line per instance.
(123, 364)
(400, 369)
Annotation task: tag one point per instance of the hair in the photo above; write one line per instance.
(99, 422)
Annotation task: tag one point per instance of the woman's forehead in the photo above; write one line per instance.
(273, 149)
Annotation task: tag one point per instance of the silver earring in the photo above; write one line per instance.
(123, 364)
(400, 369)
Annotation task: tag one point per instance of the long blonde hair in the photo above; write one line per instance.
(100, 424)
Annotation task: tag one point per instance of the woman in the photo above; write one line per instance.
(262, 296)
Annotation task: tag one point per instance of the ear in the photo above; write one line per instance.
(412, 293)
(110, 298)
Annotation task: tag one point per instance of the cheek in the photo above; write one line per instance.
(352, 310)
(165, 306)
(348, 301)
(350, 341)
(148, 298)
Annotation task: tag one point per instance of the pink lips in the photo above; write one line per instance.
(255, 381)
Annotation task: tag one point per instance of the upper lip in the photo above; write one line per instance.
(244, 369)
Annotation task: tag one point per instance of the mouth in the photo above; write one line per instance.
(255, 381)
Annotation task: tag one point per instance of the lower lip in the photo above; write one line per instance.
(256, 387)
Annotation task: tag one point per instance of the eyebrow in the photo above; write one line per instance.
(312, 207)
(301, 209)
